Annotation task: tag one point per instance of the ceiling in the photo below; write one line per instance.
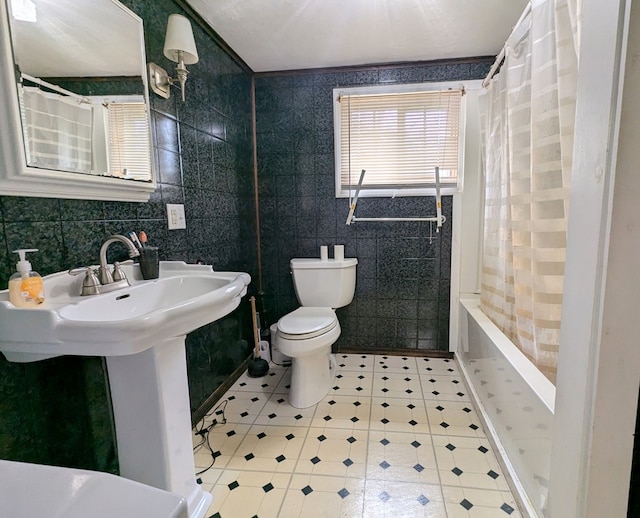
(299, 34)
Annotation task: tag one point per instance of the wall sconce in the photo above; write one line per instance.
(180, 47)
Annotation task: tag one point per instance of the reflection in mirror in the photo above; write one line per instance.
(81, 91)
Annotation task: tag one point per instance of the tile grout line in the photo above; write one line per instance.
(366, 454)
(433, 447)
(306, 434)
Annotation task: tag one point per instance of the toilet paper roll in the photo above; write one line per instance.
(324, 253)
(338, 252)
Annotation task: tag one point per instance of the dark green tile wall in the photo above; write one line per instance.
(403, 278)
(58, 411)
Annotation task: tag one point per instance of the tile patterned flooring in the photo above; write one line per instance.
(395, 436)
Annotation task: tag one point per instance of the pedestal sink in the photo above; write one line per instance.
(141, 332)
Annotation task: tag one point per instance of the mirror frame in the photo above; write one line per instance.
(18, 179)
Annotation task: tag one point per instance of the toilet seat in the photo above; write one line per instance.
(307, 322)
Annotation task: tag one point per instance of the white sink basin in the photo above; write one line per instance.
(122, 322)
(141, 331)
(38, 490)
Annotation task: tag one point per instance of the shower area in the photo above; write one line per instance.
(544, 337)
(508, 331)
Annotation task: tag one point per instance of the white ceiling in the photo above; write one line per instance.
(297, 34)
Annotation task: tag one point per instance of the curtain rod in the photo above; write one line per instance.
(500, 56)
(55, 88)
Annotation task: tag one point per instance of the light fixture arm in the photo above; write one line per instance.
(160, 81)
(182, 72)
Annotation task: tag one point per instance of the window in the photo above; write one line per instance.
(128, 140)
(399, 135)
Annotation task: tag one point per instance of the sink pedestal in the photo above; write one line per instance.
(150, 397)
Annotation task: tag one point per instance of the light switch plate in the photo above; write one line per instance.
(175, 216)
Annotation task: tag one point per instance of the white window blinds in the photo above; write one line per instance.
(128, 130)
(399, 138)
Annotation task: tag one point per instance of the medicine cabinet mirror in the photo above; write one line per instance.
(74, 93)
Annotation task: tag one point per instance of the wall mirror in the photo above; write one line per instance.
(74, 91)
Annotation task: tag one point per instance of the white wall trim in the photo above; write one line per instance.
(467, 216)
(578, 386)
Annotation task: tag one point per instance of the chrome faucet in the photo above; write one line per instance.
(107, 277)
(103, 280)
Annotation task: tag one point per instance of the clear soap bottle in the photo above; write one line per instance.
(26, 288)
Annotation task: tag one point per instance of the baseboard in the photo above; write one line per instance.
(423, 353)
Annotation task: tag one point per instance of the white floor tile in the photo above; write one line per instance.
(284, 382)
(403, 457)
(453, 418)
(350, 412)
(392, 499)
(438, 387)
(478, 503)
(437, 366)
(311, 496)
(278, 411)
(243, 407)
(399, 415)
(265, 384)
(334, 451)
(403, 364)
(394, 437)
(354, 362)
(352, 383)
(269, 448)
(468, 462)
(393, 385)
(219, 445)
(243, 494)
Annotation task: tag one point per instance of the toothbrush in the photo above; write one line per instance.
(136, 241)
(143, 238)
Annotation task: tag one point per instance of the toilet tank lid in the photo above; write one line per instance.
(309, 264)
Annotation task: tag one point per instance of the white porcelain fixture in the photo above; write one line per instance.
(122, 322)
(76, 493)
(307, 334)
(141, 331)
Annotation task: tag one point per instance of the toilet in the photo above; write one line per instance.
(307, 334)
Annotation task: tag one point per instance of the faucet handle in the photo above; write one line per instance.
(90, 283)
(118, 274)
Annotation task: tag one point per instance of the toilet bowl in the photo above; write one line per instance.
(307, 334)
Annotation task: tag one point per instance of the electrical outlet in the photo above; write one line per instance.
(175, 216)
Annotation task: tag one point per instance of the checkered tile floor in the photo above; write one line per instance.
(395, 436)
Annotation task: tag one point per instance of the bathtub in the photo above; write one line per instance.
(515, 400)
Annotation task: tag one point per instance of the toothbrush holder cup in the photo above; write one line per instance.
(149, 262)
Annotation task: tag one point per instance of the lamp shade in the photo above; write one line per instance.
(179, 37)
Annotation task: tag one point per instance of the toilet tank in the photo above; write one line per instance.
(328, 284)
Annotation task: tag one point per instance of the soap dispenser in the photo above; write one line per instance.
(26, 288)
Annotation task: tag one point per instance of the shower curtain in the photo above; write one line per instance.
(57, 131)
(527, 124)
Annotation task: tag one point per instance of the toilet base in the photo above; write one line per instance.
(311, 378)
